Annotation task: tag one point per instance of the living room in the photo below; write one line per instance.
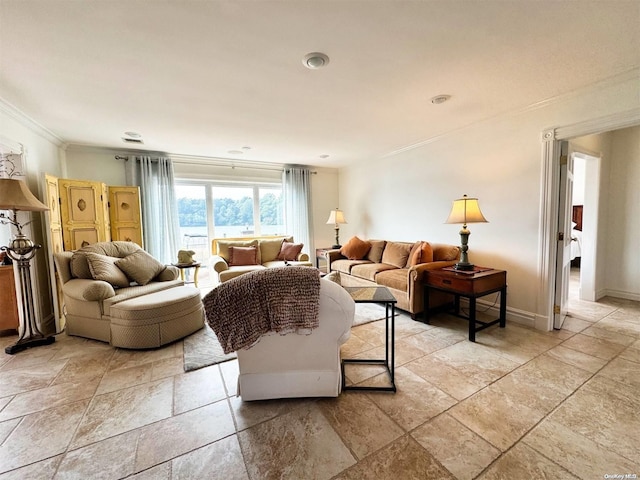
(486, 141)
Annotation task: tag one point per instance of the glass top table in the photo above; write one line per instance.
(376, 295)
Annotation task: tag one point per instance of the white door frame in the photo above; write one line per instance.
(549, 194)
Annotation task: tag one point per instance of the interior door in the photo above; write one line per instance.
(563, 254)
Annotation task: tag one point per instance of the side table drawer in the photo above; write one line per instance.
(458, 284)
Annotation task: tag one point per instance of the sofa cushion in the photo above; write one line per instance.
(397, 253)
(104, 268)
(344, 265)
(140, 267)
(243, 255)
(422, 253)
(234, 272)
(355, 249)
(369, 271)
(397, 279)
(444, 252)
(269, 249)
(223, 247)
(375, 252)
(289, 251)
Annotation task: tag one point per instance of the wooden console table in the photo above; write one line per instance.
(9, 320)
(471, 285)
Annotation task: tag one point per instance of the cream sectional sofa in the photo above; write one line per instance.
(146, 307)
(394, 265)
(267, 249)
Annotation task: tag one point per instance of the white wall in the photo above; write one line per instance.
(622, 227)
(98, 164)
(408, 196)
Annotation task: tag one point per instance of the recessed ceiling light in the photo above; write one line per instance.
(315, 60)
(235, 152)
(438, 99)
(133, 134)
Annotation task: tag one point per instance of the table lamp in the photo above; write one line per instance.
(336, 217)
(465, 210)
(16, 196)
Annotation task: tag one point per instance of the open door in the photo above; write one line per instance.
(563, 254)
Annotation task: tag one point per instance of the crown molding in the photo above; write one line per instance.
(22, 118)
(628, 75)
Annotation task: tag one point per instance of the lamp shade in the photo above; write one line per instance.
(336, 217)
(15, 195)
(466, 210)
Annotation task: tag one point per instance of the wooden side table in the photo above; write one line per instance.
(185, 266)
(9, 320)
(477, 283)
(321, 254)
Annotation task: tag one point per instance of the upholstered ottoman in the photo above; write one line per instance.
(156, 319)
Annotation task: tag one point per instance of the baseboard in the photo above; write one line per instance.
(608, 292)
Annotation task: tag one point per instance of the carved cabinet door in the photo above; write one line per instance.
(124, 209)
(55, 243)
(82, 208)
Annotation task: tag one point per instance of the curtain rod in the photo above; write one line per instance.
(232, 166)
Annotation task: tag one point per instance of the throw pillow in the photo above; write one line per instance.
(104, 268)
(243, 256)
(269, 249)
(355, 249)
(79, 265)
(290, 251)
(140, 267)
(396, 254)
(224, 245)
(377, 247)
(423, 253)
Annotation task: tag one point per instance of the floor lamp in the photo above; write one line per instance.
(16, 196)
(465, 210)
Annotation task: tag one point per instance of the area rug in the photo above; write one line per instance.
(202, 348)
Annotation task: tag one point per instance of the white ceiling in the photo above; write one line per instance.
(205, 77)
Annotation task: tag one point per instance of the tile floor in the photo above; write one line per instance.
(518, 404)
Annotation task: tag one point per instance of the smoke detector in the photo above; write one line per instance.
(315, 60)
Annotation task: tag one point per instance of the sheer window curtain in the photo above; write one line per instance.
(160, 225)
(296, 182)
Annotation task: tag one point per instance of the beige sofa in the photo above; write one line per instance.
(267, 249)
(146, 307)
(395, 266)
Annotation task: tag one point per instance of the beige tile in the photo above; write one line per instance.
(124, 378)
(230, 371)
(133, 358)
(448, 379)
(496, 417)
(354, 346)
(624, 371)
(595, 346)
(457, 448)
(197, 388)
(405, 326)
(576, 358)
(49, 397)
(542, 383)
(112, 458)
(631, 354)
(405, 351)
(477, 361)
(360, 423)
(518, 344)
(372, 333)
(620, 323)
(605, 412)
(362, 373)
(44, 469)
(124, 410)
(404, 459)
(167, 367)
(576, 453)
(180, 434)
(6, 427)
(83, 368)
(82, 347)
(27, 358)
(415, 401)
(431, 341)
(299, 444)
(611, 336)
(29, 377)
(248, 414)
(221, 460)
(28, 444)
(575, 325)
(159, 472)
(525, 463)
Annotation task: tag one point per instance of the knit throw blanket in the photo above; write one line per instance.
(283, 300)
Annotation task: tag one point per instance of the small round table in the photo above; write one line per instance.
(185, 266)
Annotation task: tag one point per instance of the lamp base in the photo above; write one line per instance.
(336, 246)
(464, 266)
(25, 343)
